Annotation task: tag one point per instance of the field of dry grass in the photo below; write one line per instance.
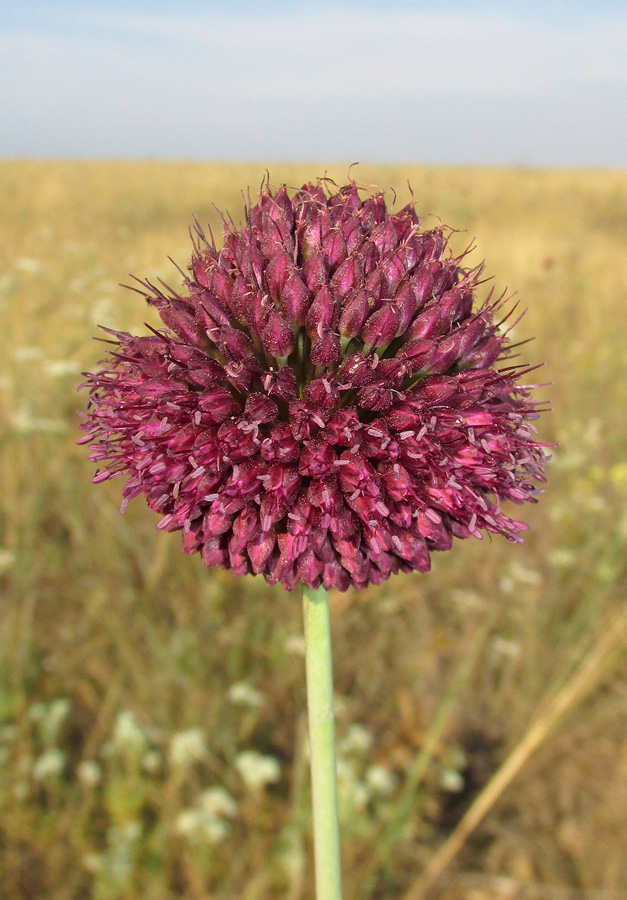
(152, 732)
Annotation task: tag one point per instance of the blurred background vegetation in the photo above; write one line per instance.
(152, 725)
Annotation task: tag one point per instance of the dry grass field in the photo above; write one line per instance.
(152, 731)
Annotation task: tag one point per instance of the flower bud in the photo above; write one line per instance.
(294, 301)
(281, 211)
(354, 314)
(356, 370)
(260, 409)
(352, 231)
(375, 397)
(325, 349)
(260, 549)
(483, 355)
(436, 389)
(242, 299)
(423, 280)
(321, 312)
(427, 324)
(456, 304)
(446, 353)
(209, 375)
(281, 383)
(316, 459)
(346, 277)
(218, 405)
(278, 336)
(277, 224)
(417, 355)
(314, 273)
(393, 271)
(309, 567)
(235, 344)
(280, 445)
(183, 323)
(381, 326)
(251, 263)
(245, 528)
(373, 212)
(406, 307)
(322, 392)
(277, 273)
(334, 250)
(385, 238)
(213, 552)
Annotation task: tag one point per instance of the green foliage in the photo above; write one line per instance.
(152, 712)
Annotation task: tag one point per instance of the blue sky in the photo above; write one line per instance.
(445, 82)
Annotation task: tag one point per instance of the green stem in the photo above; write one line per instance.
(322, 743)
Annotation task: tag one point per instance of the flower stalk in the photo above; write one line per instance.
(319, 667)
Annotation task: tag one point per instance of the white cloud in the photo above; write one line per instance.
(332, 81)
(374, 52)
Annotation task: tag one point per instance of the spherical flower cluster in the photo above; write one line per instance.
(326, 404)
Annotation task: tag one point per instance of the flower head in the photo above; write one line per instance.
(324, 403)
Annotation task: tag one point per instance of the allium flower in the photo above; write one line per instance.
(326, 404)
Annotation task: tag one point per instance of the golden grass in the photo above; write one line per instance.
(440, 679)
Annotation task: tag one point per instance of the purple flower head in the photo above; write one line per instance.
(327, 403)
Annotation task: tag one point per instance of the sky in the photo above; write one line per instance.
(448, 82)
